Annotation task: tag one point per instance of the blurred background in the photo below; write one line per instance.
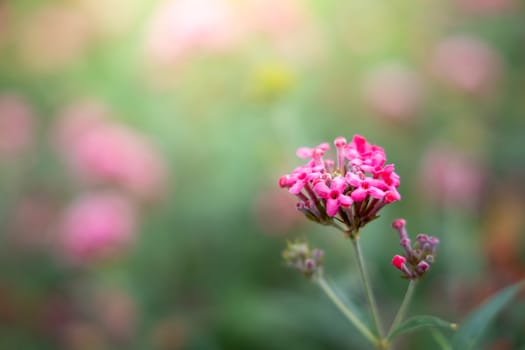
(141, 143)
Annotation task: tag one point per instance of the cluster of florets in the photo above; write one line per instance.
(299, 256)
(351, 189)
(417, 258)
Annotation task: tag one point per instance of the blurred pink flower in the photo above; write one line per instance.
(117, 313)
(78, 118)
(467, 63)
(487, 6)
(451, 178)
(393, 91)
(275, 212)
(286, 24)
(81, 335)
(181, 27)
(171, 333)
(16, 125)
(102, 151)
(97, 226)
(53, 37)
(32, 222)
(277, 18)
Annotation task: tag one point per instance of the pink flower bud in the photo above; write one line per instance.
(283, 181)
(399, 223)
(423, 266)
(398, 261)
(340, 142)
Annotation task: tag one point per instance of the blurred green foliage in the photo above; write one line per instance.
(205, 271)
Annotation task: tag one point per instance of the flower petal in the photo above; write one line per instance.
(359, 194)
(332, 206)
(297, 187)
(339, 184)
(376, 193)
(304, 152)
(345, 201)
(322, 190)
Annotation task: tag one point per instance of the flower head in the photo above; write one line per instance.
(97, 226)
(418, 257)
(351, 189)
(299, 256)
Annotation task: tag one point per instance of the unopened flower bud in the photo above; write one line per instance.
(284, 181)
(299, 257)
(422, 238)
(429, 259)
(309, 265)
(422, 267)
(340, 142)
(317, 254)
(419, 257)
(398, 224)
(398, 261)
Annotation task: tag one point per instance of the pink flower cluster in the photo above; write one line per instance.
(351, 189)
(119, 169)
(417, 259)
(98, 225)
(102, 151)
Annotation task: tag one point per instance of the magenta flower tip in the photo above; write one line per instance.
(398, 261)
(399, 223)
(417, 258)
(340, 142)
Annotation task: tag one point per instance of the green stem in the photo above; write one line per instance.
(366, 285)
(441, 340)
(404, 306)
(337, 226)
(342, 307)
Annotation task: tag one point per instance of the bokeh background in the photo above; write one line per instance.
(141, 143)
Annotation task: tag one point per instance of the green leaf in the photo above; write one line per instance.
(418, 322)
(441, 340)
(474, 326)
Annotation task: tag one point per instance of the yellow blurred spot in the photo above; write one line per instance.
(272, 81)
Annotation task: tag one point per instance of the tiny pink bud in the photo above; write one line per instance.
(422, 237)
(309, 264)
(399, 223)
(391, 196)
(398, 261)
(423, 266)
(283, 181)
(340, 142)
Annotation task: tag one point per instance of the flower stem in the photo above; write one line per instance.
(347, 312)
(337, 226)
(366, 285)
(403, 308)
